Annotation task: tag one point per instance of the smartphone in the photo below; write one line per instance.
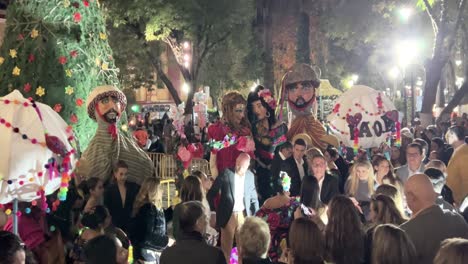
(305, 210)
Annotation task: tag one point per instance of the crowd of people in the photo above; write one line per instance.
(375, 213)
(275, 193)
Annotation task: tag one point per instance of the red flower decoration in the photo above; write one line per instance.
(57, 108)
(73, 53)
(77, 17)
(75, 4)
(20, 37)
(79, 102)
(27, 87)
(62, 60)
(85, 3)
(73, 119)
(31, 58)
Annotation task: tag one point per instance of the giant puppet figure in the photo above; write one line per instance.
(231, 135)
(298, 88)
(105, 105)
(268, 133)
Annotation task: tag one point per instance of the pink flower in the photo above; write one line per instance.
(27, 87)
(85, 3)
(73, 53)
(184, 155)
(57, 108)
(77, 17)
(62, 60)
(79, 102)
(73, 119)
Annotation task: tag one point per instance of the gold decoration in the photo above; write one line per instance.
(102, 36)
(105, 66)
(2, 60)
(13, 53)
(69, 90)
(40, 91)
(16, 71)
(68, 72)
(34, 33)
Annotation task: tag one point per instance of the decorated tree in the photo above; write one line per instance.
(56, 51)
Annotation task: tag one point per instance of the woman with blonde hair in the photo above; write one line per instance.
(392, 245)
(360, 183)
(150, 224)
(452, 251)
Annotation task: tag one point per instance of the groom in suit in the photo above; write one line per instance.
(238, 199)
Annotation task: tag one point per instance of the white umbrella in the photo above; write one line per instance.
(36, 152)
(365, 112)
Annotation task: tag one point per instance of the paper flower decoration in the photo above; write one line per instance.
(16, 71)
(68, 72)
(31, 58)
(105, 66)
(102, 36)
(34, 33)
(185, 156)
(20, 37)
(27, 87)
(2, 60)
(40, 91)
(98, 61)
(13, 53)
(73, 119)
(69, 90)
(79, 102)
(245, 144)
(66, 3)
(73, 53)
(86, 3)
(57, 108)
(62, 60)
(77, 17)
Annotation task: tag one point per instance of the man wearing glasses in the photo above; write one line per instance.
(414, 164)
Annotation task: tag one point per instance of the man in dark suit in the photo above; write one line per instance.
(238, 197)
(280, 163)
(328, 184)
(297, 166)
(191, 246)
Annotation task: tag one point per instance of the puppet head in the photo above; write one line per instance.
(106, 102)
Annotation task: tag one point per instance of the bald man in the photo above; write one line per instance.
(238, 198)
(429, 224)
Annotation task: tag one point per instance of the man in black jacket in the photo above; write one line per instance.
(238, 198)
(191, 247)
(328, 185)
(298, 166)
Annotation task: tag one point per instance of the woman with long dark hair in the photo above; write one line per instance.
(268, 133)
(344, 235)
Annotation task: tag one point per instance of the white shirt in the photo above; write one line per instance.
(300, 167)
(320, 185)
(238, 193)
(411, 173)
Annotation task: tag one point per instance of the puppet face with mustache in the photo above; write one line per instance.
(301, 95)
(109, 109)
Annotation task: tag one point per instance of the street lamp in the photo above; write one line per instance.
(458, 62)
(405, 13)
(185, 88)
(407, 51)
(393, 74)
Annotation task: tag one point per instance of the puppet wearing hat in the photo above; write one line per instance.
(298, 89)
(105, 105)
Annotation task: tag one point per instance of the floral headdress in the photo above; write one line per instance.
(268, 98)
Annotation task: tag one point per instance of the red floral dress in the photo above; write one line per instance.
(279, 221)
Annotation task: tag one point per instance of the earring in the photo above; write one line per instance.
(267, 114)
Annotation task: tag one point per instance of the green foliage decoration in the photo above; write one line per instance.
(56, 52)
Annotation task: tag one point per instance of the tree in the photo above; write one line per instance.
(56, 52)
(205, 24)
(303, 46)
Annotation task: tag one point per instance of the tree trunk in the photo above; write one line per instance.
(268, 74)
(457, 97)
(153, 56)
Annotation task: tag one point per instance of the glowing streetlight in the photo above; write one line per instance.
(186, 45)
(350, 83)
(354, 78)
(405, 13)
(407, 51)
(185, 88)
(458, 62)
(394, 73)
